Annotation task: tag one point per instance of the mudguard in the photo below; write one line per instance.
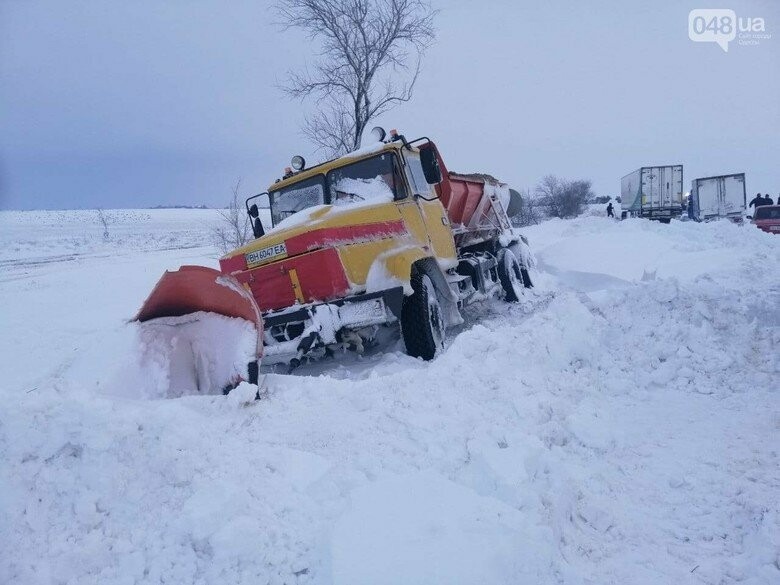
(399, 265)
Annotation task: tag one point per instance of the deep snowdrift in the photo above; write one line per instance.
(620, 425)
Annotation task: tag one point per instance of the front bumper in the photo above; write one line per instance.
(294, 332)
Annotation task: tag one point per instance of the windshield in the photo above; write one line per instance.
(767, 213)
(373, 180)
(294, 198)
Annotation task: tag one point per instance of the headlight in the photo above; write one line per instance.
(298, 162)
(378, 134)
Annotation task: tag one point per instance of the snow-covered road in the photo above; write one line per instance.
(620, 425)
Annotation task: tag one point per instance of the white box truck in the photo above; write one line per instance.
(719, 197)
(653, 192)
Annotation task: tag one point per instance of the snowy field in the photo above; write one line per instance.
(620, 425)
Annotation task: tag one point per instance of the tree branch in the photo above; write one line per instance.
(361, 70)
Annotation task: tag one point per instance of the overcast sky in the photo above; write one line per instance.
(133, 104)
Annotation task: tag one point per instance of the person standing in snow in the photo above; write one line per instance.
(768, 199)
(757, 201)
(610, 209)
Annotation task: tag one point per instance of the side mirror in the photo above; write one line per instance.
(257, 227)
(430, 166)
(515, 203)
(254, 212)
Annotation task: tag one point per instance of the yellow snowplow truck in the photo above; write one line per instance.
(382, 235)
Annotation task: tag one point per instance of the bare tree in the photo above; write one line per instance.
(234, 229)
(575, 195)
(563, 198)
(104, 221)
(548, 191)
(363, 67)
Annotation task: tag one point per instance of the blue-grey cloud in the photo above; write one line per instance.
(120, 104)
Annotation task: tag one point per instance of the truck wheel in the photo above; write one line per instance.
(527, 282)
(511, 276)
(422, 320)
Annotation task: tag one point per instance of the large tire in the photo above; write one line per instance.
(422, 319)
(523, 255)
(511, 276)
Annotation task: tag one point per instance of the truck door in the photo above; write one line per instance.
(665, 183)
(734, 194)
(649, 186)
(709, 198)
(433, 213)
(669, 186)
(677, 186)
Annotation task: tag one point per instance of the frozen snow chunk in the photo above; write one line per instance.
(593, 431)
(664, 291)
(85, 510)
(300, 469)
(422, 528)
(505, 462)
(243, 395)
(663, 374)
(595, 516)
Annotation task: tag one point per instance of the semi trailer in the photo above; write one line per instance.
(653, 193)
(720, 197)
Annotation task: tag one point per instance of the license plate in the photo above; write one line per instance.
(363, 312)
(775, 228)
(266, 254)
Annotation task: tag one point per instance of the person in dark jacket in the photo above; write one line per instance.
(768, 199)
(757, 201)
(610, 209)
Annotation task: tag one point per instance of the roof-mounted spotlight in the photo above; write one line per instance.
(298, 162)
(378, 134)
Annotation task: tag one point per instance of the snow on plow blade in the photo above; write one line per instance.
(201, 332)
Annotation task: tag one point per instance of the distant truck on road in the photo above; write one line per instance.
(719, 197)
(653, 192)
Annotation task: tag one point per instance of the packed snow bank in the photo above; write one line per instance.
(619, 432)
(422, 528)
(196, 354)
(634, 248)
(199, 353)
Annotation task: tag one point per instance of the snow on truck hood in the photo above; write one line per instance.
(350, 220)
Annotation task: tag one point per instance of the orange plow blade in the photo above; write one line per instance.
(198, 288)
(203, 328)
